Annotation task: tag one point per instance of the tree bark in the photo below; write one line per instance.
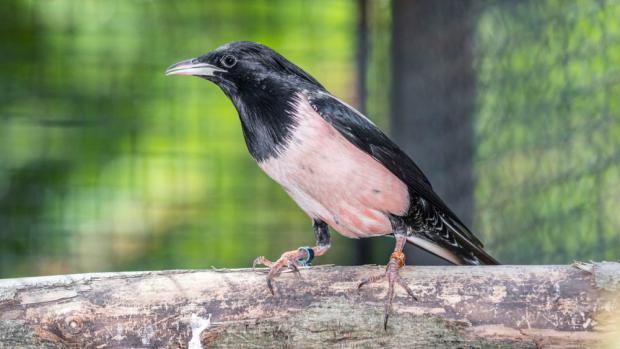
(470, 307)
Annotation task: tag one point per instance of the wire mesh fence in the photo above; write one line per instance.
(548, 130)
(108, 164)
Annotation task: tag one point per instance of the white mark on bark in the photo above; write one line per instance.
(527, 318)
(452, 299)
(7, 294)
(499, 293)
(556, 291)
(120, 330)
(198, 325)
(46, 295)
(421, 310)
(147, 335)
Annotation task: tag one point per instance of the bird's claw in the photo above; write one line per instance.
(289, 259)
(392, 275)
(261, 260)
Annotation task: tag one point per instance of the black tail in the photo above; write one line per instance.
(473, 246)
(450, 239)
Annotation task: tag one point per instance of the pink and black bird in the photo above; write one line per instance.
(334, 163)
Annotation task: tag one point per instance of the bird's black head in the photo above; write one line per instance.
(262, 85)
(244, 67)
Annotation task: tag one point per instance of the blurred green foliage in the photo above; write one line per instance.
(548, 130)
(107, 164)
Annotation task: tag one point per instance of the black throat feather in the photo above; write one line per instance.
(265, 93)
(266, 119)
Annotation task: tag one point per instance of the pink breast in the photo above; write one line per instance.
(331, 179)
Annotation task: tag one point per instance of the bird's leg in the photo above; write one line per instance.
(303, 256)
(397, 261)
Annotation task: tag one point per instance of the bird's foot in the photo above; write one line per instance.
(303, 256)
(397, 260)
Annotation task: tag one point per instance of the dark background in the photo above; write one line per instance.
(511, 108)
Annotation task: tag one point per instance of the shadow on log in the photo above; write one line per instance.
(472, 307)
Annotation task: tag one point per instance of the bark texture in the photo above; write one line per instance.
(467, 307)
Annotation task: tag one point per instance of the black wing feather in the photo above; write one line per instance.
(360, 131)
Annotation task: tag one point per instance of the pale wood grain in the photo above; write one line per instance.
(470, 307)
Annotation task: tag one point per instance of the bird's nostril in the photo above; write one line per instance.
(195, 61)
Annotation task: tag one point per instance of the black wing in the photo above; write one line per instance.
(357, 129)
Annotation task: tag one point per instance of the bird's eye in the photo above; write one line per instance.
(229, 61)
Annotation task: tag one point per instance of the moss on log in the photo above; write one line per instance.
(469, 307)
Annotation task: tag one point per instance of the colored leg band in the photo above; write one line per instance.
(399, 257)
(307, 261)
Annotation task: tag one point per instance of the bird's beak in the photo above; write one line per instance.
(193, 67)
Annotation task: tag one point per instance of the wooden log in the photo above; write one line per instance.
(466, 307)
